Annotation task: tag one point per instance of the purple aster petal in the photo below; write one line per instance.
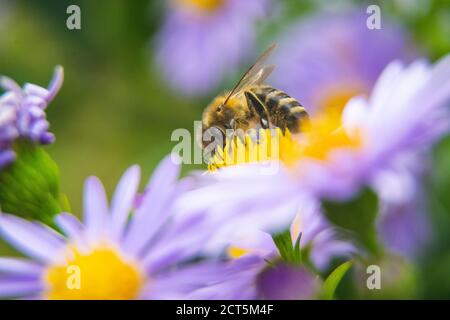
(123, 199)
(33, 91)
(180, 283)
(180, 241)
(255, 242)
(71, 227)
(35, 96)
(34, 239)
(401, 87)
(95, 208)
(208, 280)
(404, 230)
(10, 85)
(326, 246)
(24, 110)
(20, 266)
(403, 224)
(237, 282)
(56, 83)
(348, 55)
(7, 115)
(286, 282)
(17, 286)
(236, 195)
(252, 183)
(153, 211)
(37, 128)
(47, 138)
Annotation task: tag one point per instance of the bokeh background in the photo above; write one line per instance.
(116, 108)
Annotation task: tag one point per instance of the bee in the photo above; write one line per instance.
(251, 104)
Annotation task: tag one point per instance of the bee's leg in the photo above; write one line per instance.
(237, 131)
(258, 108)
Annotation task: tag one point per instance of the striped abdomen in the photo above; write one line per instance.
(284, 111)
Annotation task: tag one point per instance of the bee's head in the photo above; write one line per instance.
(221, 113)
(222, 116)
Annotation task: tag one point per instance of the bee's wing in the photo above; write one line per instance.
(256, 74)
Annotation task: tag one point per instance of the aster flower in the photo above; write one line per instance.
(201, 40)
(403, 224)
(287, 282)
(336, 157)
(252, 277)
(22, 114)
(254, 268)
(345, 61)
(253, 265)
(114, 255)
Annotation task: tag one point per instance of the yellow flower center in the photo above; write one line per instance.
(325, 135)
(265, 148)
(204, 5)
(334, 98)
(318, 139)
(100, 274)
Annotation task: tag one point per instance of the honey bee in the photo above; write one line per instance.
(251, 104)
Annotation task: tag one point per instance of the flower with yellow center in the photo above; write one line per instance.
(118, 252)
(319, 138)
(100, 274)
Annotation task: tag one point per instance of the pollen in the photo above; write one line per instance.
(323, 135)
(326, 134)
(262, 148)
(99, 274)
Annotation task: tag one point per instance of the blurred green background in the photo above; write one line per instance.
(114, 109)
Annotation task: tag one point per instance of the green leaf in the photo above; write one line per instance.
(289, 252)
(331, 283)
(358, 216)
(29, 187)
(297, 250)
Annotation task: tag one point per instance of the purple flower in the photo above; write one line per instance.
(237, 281)
(403, 224)
(252, 278)
(111, 255)
(246, 234)
(287, 282)
(249, 228)
(202, 41)
(344, 61)
(22, 113)
(336, 157)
